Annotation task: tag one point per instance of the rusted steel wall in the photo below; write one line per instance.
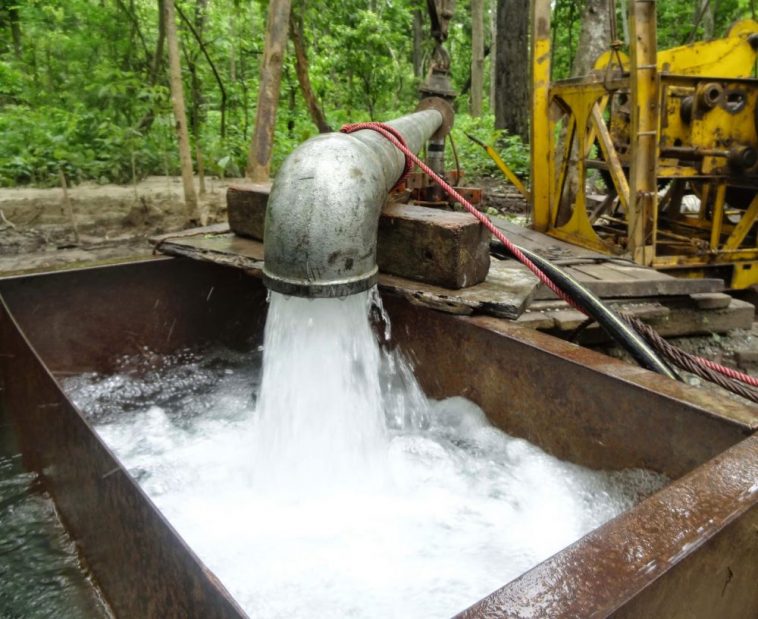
(81, 321)
(85, 320)
(575, 403)
(689, 551)
(698, 533)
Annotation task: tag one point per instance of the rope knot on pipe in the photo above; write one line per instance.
(393, 135)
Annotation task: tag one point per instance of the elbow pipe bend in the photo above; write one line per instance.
(323, 212)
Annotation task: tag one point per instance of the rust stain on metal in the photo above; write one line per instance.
(688, 550)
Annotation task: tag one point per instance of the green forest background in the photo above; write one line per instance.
(84, 85)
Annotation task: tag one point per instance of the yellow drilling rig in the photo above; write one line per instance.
(672, 134)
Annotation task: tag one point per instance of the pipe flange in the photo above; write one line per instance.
(444, 108)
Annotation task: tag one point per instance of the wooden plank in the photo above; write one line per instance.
(438, 247)
(670, 316)
(226, 249)
(543, 244)
(639, 288)
(642, 308)
(606, 276)
(688, 319)
(505, 293)
(442, 248)
(711, 300)
(568, 319)
(214, 229)
(605, 272)
(246, 208)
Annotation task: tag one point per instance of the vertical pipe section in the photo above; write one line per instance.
(643, 203)
(323, 213)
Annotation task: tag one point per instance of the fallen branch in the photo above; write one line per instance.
(6, 224)
(67, 208)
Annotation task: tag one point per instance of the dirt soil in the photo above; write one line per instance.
(500, 197)
(113, 221)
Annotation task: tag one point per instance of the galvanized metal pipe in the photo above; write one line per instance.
(323, 212)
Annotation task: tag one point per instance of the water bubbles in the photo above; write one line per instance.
(341, 490)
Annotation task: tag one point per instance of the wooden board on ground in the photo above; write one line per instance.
(505, 293)
(670, 316)
(246, 208)
(606, 276)
(433, 246)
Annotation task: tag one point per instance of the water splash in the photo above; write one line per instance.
(319, 415)
(337, 488)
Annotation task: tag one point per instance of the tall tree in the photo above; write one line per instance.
(418, 35)
(594, 36)
(477, 56)
(14, 20)
(197, 33)
(493, 50)
(180, 115)
(512, 67)
(303, 78)
(261, 147)
(155, 67)
(704, 16)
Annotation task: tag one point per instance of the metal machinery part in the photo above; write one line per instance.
(437, 88)
(323, 213)
(657, 127)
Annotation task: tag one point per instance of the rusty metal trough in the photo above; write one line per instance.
(690, 550)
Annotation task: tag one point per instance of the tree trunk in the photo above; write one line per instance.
(143, 126)
(493, 51)
(301, 67)
(467, 84)
(67, 208)
(197, 33)
(200, 174)
(177, 100)
(477, 56)
(418, 36)
(594, 36)
(158, 56)
(15, 24)
(232, 49)
(512, 68)
(259, 157)
(136, 31)
(704, 15)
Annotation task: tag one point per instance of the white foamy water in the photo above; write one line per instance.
(331, 487)
(320, 420)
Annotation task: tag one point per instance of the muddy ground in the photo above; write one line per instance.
(113, 221)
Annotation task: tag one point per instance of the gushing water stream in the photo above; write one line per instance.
(320, 421)
(330, 486)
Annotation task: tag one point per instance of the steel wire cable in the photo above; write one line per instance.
(705, 367)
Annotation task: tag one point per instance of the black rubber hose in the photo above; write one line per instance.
(613, 325)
